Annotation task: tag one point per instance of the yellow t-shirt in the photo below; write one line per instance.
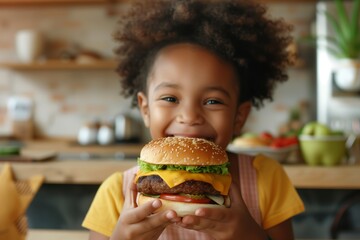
(278, 198)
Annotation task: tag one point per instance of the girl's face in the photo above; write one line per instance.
(192, 92)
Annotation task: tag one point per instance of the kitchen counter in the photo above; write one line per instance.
(72, 168)
(52, 234)
(320, 177)
(66, 162)
(71, 171)
(95, 171)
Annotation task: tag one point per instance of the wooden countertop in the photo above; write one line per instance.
(50, 234)
(72, 163)
(337, 177)
(95, 171)
(73, 170)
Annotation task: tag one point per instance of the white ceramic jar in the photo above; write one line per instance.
(87, 134)
(29, 45)
(105, 134)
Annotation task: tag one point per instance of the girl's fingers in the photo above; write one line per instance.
(221, 214)
(139, 213)
(207, 215)
(210, 219)
(140, 221)
(216, 214)
(157, 221)
(135, 214)
(199, 223)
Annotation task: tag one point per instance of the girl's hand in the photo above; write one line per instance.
(225, 223)
(139, 222)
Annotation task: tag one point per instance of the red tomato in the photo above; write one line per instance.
(284, 142)
(277, 143)
(288, 141)
(266, 136)
(181, 198)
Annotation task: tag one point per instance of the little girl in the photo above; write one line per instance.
(194, 68)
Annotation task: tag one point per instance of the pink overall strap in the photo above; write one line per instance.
(248, 185)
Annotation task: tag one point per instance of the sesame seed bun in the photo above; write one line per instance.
(183, 151)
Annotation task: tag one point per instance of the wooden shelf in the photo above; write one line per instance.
(19, 3)
(71, 65)
(52, 2)
(63, 64)
(60, 65)
(287, 1)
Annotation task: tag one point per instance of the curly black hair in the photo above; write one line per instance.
(239, 32)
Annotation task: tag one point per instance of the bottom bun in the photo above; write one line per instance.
(180, 208)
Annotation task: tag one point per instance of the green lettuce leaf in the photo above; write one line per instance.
(222, 169)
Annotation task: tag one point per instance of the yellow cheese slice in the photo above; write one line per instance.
(173, 178)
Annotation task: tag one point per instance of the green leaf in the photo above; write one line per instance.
(151, 195)
(344, 22)
(334, 24)
(340, 39)
(355, 19)
(222, 169)
(347, 36)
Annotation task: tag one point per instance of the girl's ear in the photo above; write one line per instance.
(144, 107)
(241, 116)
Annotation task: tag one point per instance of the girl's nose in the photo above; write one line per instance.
(190, 115)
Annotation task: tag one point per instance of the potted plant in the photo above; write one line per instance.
(345, 45)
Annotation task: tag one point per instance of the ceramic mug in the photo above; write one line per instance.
(29, 45)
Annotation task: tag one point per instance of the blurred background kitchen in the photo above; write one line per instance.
(60, 107)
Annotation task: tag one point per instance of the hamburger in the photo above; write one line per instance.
(184, 173)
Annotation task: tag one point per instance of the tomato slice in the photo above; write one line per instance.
(181, 198)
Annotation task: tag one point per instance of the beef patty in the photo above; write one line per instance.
(154, 185)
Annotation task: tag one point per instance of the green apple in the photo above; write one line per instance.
(309, 129)
(316, 129)
(322, 130)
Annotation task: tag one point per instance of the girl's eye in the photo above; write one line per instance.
(169, 99)
(212, 101)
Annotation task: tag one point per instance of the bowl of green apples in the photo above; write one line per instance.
(320, 145)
